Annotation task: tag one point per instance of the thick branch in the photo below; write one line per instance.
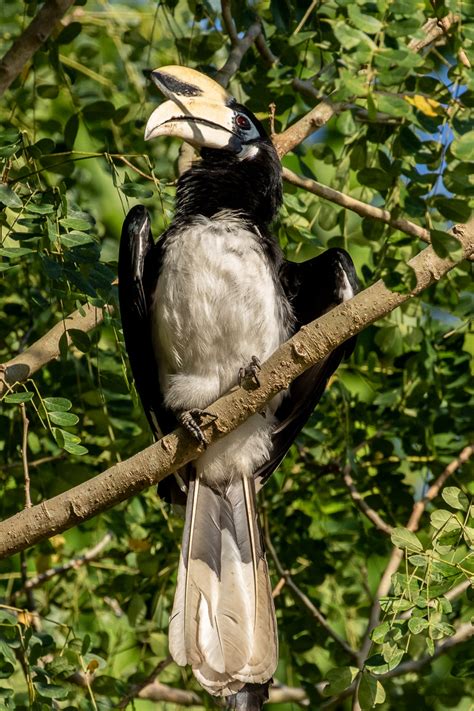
(361, 208)
(23, 366)
(310, 345)
(31, 40)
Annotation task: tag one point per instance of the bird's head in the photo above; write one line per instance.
(240, 169)
(203, 113)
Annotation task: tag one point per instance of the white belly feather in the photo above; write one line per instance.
(216, 306)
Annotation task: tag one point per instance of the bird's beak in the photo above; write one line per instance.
(198, 110)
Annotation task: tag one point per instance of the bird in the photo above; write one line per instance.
(201, 308)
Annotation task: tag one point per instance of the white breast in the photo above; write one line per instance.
(215, 306)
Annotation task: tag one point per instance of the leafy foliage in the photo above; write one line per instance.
(73, 161)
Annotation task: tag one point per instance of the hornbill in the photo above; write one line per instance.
(200, 309)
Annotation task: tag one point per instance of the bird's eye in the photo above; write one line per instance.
(242, 122)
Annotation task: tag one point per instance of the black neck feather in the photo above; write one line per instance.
(219, 181)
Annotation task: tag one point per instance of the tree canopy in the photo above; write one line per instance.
(368, 521)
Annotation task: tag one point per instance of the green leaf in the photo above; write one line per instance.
(366, 23)
(453, 209)
(77, 449)
(445, 245)
(53, 404)
(371, 692)
(51, 691)
(417, 624)
(64, 419)
(456, 498)
(463, 147)
(339, 679)
(403, 538)
(17, 398)
(136, 190)
(379, 633)
(75, 223)
(9, 198)
(80, 339)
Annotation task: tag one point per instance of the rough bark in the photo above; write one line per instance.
(37, 32)
(312, 343)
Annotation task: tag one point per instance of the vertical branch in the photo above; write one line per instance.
(24, 455)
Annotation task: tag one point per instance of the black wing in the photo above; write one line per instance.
(313, 287)
(138, 268)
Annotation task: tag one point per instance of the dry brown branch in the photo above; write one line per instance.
(156, 691)
(137, 688)
(25, 46)
(356, 497)
(397, 554)
(72, 564)
(361, 208)
(308, 124)
(310, 345)
(46, 349)
(433, 29)
(312, 609)
(24, 455)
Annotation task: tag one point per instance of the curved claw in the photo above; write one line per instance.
(191, 421)
(248, 375)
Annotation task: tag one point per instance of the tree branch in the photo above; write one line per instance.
(462, 634)
(312, 609)
(45, 349)
(397, 554)
(361, 208)
(362, 505)
(72, 564)
(146, 468)
(308, 124)
(433, 29)
(25, 46)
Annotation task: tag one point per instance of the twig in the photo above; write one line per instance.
(25, 46)
(452, 594)
(46, 349)
(72, 564)
(237, 53)
(228, 22)
(436, 487)
(137, 688)
(361, 504)
(462, 634)
(305, 16)
(24, 455)
(397, 554)
(312, 609)
(433, 29)
(265, 51)
(310, 345)
(361, 208)
(308, 124)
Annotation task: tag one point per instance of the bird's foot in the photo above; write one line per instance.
(248, 377)
(191, 421)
